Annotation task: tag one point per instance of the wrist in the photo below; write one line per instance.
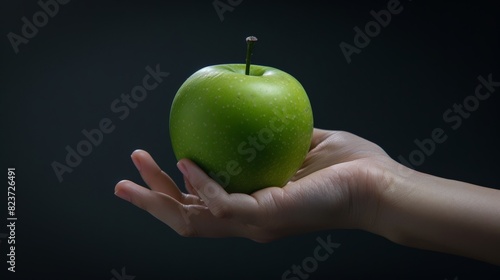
(392, 190)
(379, 184)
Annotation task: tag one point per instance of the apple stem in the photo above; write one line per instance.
(250, 42)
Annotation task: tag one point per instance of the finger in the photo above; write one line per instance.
(187, 220)
(319, 135)
(154, 177)
(242, 207)
(314, 162)
(316, 159)
(191, 199)
(160, 205)
(189, 187)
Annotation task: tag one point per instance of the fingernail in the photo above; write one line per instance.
(136, 162)
(182, 168)
(122, 195)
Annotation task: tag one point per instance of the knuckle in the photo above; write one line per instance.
(221, 211)
(210, 190)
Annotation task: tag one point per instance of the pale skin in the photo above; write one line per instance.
(346, 182)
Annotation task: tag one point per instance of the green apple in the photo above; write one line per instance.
(247, 132)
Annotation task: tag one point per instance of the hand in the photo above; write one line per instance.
(338, 186)
(345, 182)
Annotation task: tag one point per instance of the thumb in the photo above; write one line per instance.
(239, 206)
(206, 188)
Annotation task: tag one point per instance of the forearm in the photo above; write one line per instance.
(428, 212)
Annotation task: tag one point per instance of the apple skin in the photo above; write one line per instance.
(247, 132)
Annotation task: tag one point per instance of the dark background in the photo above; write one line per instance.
(395, 91)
